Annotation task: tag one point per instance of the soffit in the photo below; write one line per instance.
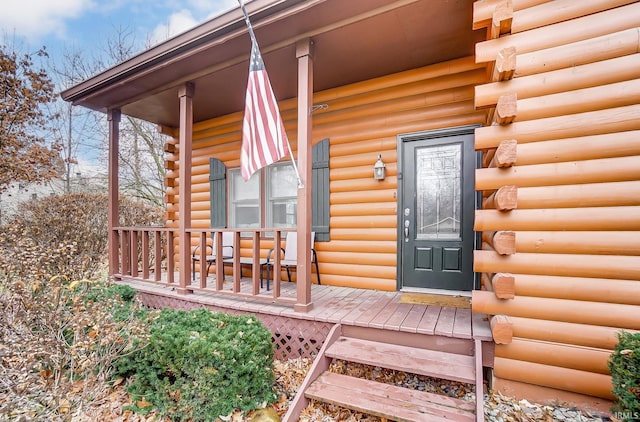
(353, 40)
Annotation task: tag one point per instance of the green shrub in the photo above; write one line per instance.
(120, 297)
(200, 365)
(625, 372)
(125, 293)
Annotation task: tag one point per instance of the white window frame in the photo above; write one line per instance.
(264, 199)
(290, 202)
(235, 177)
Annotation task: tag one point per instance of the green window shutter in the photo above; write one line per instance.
(320, 190)
(218, 193)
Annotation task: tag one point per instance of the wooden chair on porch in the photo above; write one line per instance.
(210, 258)
(290, 256)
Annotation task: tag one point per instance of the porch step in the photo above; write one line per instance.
(431, 363)
(388, 401)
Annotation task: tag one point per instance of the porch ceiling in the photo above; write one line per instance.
(354, 40)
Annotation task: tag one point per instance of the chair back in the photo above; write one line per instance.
(291, 246)
(227, 244)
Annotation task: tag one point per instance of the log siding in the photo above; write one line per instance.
(361, 121)
(567, 195)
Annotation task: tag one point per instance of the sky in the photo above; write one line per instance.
(86, 26)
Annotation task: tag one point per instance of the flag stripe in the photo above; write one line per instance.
(263, 133)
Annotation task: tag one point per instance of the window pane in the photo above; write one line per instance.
(244, 200)
(438, 180)
(282, 196)
(282, 181)
(282, 213)
(241, 190)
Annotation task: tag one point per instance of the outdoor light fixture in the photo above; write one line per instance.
(379, 169)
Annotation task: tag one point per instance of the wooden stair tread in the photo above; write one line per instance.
(450, 366)
(388, 401)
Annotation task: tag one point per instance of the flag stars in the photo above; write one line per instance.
(264, 138)
(256, 59)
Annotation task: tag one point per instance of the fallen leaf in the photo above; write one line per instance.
(143, 403)
(64, 406)
(78, 386)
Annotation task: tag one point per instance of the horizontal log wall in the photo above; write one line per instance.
(362, 120)
(560, 260)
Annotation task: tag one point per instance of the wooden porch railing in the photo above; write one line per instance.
(145, 254)
(148, 254)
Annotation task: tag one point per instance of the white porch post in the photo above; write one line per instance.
(185, 94)
(305, 101)
(113, 212)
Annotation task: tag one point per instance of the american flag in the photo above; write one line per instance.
(263, 136)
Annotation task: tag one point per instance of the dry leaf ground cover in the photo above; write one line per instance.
(58, 342)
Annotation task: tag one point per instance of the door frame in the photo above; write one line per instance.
(424, 135)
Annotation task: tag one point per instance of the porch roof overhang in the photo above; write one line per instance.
(354, 40)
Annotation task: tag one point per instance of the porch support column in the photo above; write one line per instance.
(113, 212)
(305, 101)
(185, 94)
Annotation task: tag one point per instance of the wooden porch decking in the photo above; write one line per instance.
(332, 305)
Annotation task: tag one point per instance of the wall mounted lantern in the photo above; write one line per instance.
(379, 169)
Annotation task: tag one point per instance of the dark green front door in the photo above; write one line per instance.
(436, 237)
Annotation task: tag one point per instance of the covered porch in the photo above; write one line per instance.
(192, 87)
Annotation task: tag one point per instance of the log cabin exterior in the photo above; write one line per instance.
(515, 123)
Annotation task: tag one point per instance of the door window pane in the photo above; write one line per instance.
(244, 200)
(282, 196)
(438, 185)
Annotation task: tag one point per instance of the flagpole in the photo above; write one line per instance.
(253, 40)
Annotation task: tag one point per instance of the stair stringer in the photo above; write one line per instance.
(320, 364)
(479, 380)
